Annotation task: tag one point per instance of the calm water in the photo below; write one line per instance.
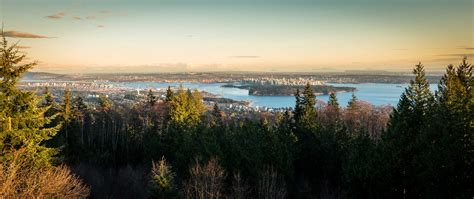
(377, 94)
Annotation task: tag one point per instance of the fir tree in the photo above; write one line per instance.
(405, 132)
(22, 122)
(308, 116)
(333, 102)
(169, 94)
(352, 104)
(104, 103)
(162, 180)
(151, 98)
(449, 153)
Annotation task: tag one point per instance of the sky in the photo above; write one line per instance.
(89, 36)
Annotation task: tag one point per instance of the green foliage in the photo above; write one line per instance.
(169, 94)
(352, 104)
(105, 103)
(333, 101)
(23, 123)
(162, 180)
(403, 139)
(186, 108)
(426, 151)
(151, 98)
(305, 110)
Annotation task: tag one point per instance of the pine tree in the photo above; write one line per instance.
(169, 94)
(333, 102)
(162, 180)
(104, 103)
(78, 104)
(187, 108)
(48, 97)
(450, 138)
(308, 116)
(66, 107)
(352, 104)
(298, 106)
(50, 104)
(217, 114)
(22, 121)
(151, 98)
(405, 132)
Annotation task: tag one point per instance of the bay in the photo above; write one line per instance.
(374, 93)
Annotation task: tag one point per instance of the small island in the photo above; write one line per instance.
(287, 90)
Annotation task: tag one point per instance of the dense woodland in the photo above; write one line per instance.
(59, 146)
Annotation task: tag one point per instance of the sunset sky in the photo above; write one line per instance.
(74, 36)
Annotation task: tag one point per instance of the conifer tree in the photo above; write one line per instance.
(308, 116)
(50, 104)
(66, 111)
(402, 141)
(333, 102)
(78, 104)
(298, 106)
(217, 114)
(151, 98)
(22, 121)
(162, 180)
(352, 104)
(104, 103)
(48, 97)
(450, 138)
(169, 94)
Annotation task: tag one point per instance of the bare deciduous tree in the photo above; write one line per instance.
(21, 179)
(205, 181)
(271, 185)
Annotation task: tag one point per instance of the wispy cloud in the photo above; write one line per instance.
(457, 55)
(18, 34)
(58, 15)
(91, 17)
(245, 56)
(77, 18)
(400, 49)
(100, 26)
(22, 47)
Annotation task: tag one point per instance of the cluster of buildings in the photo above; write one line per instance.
(84, 86)
(299, 81)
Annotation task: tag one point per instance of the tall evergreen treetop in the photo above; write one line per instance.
(22, 121)
(151, 98)
(333, 101)
(169, 94)
(305, 110)
(352, 104)
(11, 68)
(418, 93)
(66, 106)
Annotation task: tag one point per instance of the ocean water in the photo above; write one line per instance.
(377, 94)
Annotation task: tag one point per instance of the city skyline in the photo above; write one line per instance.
(210, 35)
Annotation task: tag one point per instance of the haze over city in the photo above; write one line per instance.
(88, 36)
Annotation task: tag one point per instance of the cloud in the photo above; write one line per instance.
(17, 34)
(22, 47)
(77, 18)
(58, 15)
(100, 26)
(400, 49)
(92, 17)
(245, 56)
(457, 55)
